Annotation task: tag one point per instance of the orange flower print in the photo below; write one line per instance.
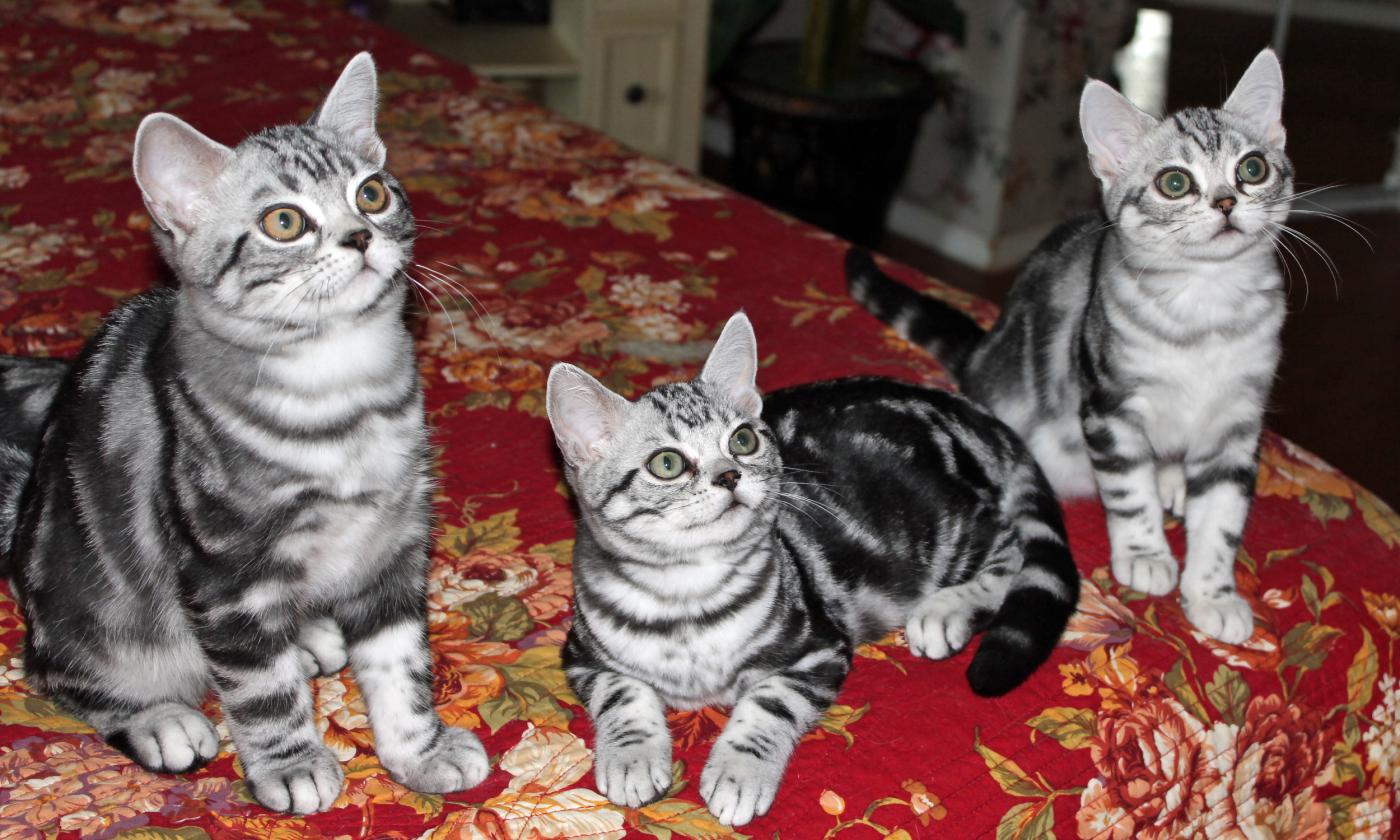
(1100, 818)
(926, 806)
(482, 373)
(1076, 680)
(42, 801)
(1384, 609)
(832, 803)
(1100, 619)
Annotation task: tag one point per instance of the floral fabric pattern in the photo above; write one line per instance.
(541, 241)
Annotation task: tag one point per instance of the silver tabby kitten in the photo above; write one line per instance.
(232, 485)
(733, 549)
(1136, 353)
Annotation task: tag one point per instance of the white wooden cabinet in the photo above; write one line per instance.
(634, 69)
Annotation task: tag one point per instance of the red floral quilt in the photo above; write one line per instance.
(544, 241)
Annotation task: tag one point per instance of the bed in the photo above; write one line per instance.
(544, 241)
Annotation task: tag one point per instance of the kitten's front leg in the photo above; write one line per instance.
(267, 703)
(386, 634)
(746, 765)
(632, 764)
(1125, 472)
(1219, 490)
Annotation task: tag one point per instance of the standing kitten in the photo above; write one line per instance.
(1136, 353)
(708, 572)
(232, 485)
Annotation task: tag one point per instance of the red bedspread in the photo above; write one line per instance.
(576, 249)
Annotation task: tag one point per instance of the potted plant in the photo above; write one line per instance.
(823, 128)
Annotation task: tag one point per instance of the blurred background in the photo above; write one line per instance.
(944, 133)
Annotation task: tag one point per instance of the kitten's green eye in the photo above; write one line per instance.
(1174, 183)
(372, 197)
(743, 441)
(1252, 169)
(283, 223)
(666, 464)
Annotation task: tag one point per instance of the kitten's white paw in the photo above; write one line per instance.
(1226, 617)
(306, 784)
(636, 774)
(169, 738)
(456, 762)
(1154, 574)
(738, 786)
(1171, 488)
(321, 647)
(939, 629)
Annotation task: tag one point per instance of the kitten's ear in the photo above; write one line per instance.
(733, 365)
(1113, 127)
(350, 108)
(1258, 97)
(583, 412)
(175, 166)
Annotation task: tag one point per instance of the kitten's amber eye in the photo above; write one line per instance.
(744, 441)
(1252, 169)
(666, 464)
(1174, 183)
(283, 223)
(372, 197)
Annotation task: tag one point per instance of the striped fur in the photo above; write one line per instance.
(1136, 351)
(232, 486)
(868, 504)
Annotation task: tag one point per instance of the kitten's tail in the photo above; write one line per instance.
(1042, 597)
(943, 331)
(27, 390)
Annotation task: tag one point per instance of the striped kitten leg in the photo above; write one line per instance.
(1219, 490)
(747, 763)
(386, 633)
(1126, 475)
(161, 730)
(945, 622)
(633, 743)
(267, 703)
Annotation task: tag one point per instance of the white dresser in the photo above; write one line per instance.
(634, 69)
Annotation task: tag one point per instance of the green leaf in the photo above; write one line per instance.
(531, 280)
(186, 833)
(1180, 687)
(1326, 507)
(1361, 676)
(1379, 517)
(498, 618)
(1028, 821)
(838, 718)
(1072, 727)
(1282, 554)
(1307, 645)
(682, 818)
(1229, 693)
(38, 713)
(1005, 772)
(1309, 592)
(653, 222)
(1346, 766)
(536, 690)
(1351, 731)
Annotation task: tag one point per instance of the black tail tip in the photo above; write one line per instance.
(996, 669)
(860, 266)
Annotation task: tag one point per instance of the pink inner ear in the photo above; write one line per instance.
(175, 166)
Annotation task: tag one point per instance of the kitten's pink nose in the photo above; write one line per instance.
(729, 479)
(1225, 205)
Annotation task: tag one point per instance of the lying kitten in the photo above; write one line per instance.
(708, 572)
(1136, 352)
(233, 482)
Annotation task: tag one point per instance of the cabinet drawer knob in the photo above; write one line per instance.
(634, 94)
